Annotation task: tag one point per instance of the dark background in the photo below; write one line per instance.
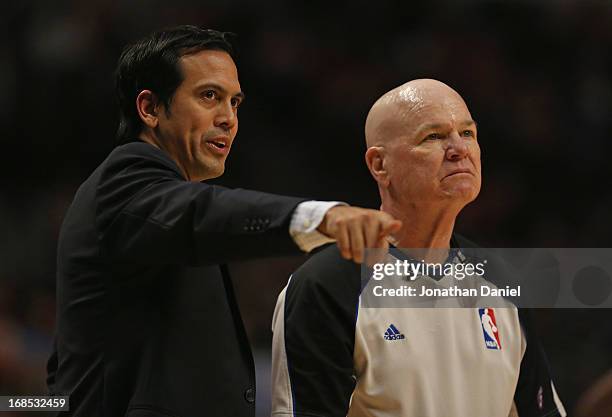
(536, 76)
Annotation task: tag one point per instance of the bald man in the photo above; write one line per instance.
(333, 356)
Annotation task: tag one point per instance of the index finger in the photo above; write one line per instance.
(390, 227)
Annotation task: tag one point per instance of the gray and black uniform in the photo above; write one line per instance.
(332, 357)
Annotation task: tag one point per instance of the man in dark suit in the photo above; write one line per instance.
(147, 320)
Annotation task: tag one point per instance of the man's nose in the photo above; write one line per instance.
(457, 147)
(226, 115)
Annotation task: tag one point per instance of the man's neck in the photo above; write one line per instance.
(150, 139)
(424, 226)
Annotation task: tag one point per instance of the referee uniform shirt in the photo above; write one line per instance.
(333, 357)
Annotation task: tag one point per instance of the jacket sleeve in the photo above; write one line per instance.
(146, 212)
(314, 338)
(535, 394)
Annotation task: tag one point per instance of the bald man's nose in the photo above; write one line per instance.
(457, 147)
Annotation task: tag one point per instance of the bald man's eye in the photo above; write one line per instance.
(468, 133)
(434, 136)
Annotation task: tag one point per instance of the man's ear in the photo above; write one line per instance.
(375, 160)
(148, 107)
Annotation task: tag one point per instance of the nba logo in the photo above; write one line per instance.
(489, 328)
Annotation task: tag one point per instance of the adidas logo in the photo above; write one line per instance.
(393, 334)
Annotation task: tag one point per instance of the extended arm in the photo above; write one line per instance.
(146, 212)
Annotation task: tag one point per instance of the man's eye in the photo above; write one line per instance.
(209, 94)
(434, 136)
(467, 133)
(236, 102)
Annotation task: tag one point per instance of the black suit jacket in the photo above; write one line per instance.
(147, 323)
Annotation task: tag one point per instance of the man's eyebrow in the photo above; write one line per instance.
(430, 126)
(219, 88)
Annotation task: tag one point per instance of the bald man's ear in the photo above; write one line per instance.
(375, 160)
(147, 107)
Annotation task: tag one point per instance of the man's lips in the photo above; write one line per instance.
(459, 171)
(219, 145)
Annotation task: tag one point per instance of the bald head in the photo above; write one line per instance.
(400, 111)
(422, 147)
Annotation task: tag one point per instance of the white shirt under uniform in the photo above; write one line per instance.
(334, 358)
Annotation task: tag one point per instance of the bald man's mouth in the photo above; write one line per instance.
(459, 172)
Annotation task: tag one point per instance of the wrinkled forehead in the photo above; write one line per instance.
(447, 111)
(408, 111)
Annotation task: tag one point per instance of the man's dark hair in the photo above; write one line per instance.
(152, 64)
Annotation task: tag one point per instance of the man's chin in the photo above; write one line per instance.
(465, 194)
(215, 174)
(211, 171)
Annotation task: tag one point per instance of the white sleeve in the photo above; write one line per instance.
(305, 220)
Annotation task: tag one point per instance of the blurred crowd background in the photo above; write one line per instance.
(535, 74)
